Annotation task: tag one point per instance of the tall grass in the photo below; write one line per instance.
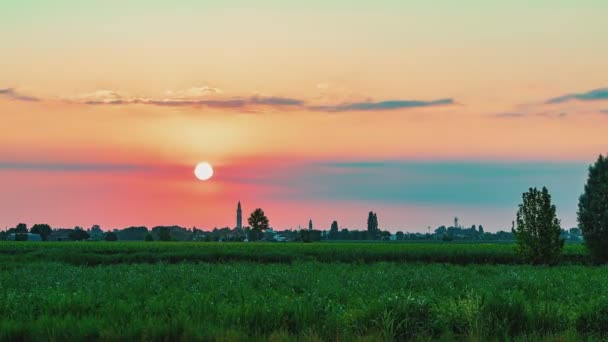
(104, 253)
(303, 300)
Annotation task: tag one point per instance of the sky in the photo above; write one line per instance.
(325, 110)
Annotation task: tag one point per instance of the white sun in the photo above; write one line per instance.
(203, 171)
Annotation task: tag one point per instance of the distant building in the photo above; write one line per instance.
(239, 217)
(60, 235)
(30, 237)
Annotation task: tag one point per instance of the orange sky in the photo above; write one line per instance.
(105, 110)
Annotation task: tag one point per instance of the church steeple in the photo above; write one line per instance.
(239, 216)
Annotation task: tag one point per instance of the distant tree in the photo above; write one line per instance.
(21, 232)
(400, 236)
(333, 231)
(164, 234)
(111, 236)
(305, 235)
(481, 229)
(344, 234)
(258, 222)
(3, 235)
(309, 224)
(385, 235)
(372, 225)
(575, 231)
(79, 234)
(537, 229)
(593, 210)
(148, 237)
(43, 229)
(21, 228)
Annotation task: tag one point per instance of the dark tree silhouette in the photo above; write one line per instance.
(258, 223)
(593, 210)
(333, 231)
(372, 225)
(164, 234)
(537, 229)
(78, 235)
(43, 229)
(111, 236)
(21, 228)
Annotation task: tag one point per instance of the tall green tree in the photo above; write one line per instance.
(593, 210)
(372, 225)
(258, 223)
(333, 231)
(537, 228)
(43, 229)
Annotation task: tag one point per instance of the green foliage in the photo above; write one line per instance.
(148, 237)
(594, 320)
(111, 236)
(258, 222)
(333, 231)
(102, 253)
(164, 234)
(372, 225)
(538, 230)
(308, 301)
(593, 210)
(21, 237)
(79, 234)
(43, 229)
(21, 228)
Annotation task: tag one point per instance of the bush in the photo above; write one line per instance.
(111, 236)
(538, 230)
(594, 320)
(593, 210)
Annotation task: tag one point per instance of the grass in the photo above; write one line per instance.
(103, 253)
(310, 296)
(324, 301)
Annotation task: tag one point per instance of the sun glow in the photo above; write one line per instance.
(203, 171)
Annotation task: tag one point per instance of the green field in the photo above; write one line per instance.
(309, 292)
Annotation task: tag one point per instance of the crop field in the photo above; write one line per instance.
(101, 253)
(308, 292)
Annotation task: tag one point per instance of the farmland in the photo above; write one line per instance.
(366, 291)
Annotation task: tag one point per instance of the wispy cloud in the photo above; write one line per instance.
(69, 167)
(380, 106)
(593, 95)
(14, 95)
(511, 115)
(604, 111)
(209, 97)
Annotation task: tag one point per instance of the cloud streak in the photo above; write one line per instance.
(593, 95)
(208, 97)
(69, 167)
(381, 106)
(10, 93)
